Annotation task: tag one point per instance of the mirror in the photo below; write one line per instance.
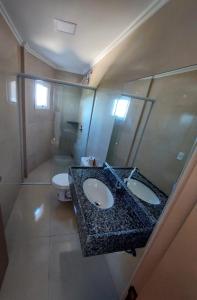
(156, 128)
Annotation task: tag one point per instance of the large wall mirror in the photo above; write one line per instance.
(155, 126)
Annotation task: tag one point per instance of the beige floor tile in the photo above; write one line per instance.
(60, 246)
(27, 273)
(30, 216)
(122, 266)
(74, 277)
(62, 218)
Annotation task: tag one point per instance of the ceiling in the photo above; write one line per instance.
(99, 23)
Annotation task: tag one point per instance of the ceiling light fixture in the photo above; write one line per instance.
(64, 26)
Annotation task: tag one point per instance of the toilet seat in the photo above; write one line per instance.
(60, 181)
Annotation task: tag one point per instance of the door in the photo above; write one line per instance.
(85, 113)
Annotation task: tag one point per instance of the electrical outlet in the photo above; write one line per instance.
(180, 155)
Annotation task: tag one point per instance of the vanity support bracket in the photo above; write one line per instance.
(132, 294)
(132, 251)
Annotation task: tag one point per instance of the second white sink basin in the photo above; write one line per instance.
(142, 191)
(98, 193)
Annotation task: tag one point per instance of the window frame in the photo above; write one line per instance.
(42, 107)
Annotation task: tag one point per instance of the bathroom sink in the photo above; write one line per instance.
(142, 191)
(98, 193)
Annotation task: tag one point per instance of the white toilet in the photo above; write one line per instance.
(61, 183)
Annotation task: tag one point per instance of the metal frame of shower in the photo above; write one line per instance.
(22, 118)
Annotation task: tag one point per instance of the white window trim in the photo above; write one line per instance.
(47, 85)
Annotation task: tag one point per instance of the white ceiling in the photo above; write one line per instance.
(99, 23)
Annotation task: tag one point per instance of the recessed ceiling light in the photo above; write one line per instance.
(64, 26)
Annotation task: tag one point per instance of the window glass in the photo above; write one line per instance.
(12, 91)
(120, 107)
(42, 92)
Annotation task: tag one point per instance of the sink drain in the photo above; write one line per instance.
(97, 204)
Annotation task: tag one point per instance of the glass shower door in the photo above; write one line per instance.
(66, 123)
(57, 120)
(72, 117)
(85, 114)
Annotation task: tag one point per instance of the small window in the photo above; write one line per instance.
(42, 95)
(12, 91)
(121, 107)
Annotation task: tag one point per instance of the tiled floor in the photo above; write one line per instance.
(45, 256)
(44, 172)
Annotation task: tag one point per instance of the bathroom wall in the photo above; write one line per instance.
(139, 87)
(10, 163)
(172, 128)
(67, 76)
(39, 123)
(35, 66)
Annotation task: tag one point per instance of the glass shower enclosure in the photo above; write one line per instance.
(55, 121)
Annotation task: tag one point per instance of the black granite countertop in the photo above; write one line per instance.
(127, 225)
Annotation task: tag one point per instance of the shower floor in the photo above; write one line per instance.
(43, 173)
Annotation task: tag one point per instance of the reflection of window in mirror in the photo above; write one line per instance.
(42, 95)
(121, 107)
(12, 91)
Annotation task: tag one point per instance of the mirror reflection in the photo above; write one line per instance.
(154, 127)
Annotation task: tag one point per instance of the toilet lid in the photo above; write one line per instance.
(61, 180)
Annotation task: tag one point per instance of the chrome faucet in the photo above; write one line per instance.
(131, 174)
(118, 185)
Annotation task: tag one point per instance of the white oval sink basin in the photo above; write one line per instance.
(98, 193)
(142, 191)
